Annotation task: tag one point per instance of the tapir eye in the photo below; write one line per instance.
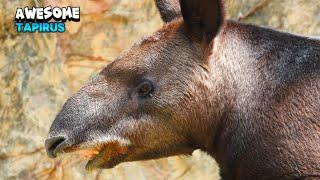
(145, 88)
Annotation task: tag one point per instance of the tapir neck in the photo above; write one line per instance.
(263, 72)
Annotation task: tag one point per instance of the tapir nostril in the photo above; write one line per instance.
(53, 145)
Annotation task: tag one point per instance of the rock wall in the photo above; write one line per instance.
(38, 72)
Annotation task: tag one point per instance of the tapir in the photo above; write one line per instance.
(248, 96)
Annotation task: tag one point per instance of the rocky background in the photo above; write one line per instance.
(39, 71)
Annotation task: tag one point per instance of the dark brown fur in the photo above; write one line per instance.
(247, 95)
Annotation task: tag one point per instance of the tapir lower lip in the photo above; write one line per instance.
(109, 156)
(103, 156)
(99, 162)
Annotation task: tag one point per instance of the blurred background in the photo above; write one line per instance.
(38, 72)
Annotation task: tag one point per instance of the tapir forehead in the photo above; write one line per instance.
(149, 54)
(167, 31)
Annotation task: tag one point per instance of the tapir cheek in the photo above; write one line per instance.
(134, 103)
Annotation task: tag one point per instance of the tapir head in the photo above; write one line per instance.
(155, 100)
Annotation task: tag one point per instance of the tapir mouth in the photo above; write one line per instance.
(101, 156)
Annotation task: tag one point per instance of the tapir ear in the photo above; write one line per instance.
(169, 9)
(202, 18)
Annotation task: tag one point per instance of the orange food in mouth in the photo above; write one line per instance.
(110, 150)
(104, 155)
(88, 154)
